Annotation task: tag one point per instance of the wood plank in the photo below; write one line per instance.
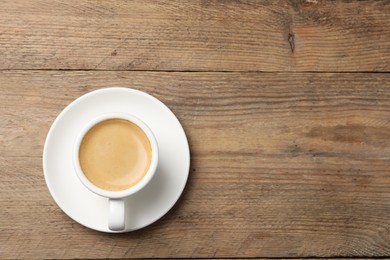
(197, 35)
(283, 165)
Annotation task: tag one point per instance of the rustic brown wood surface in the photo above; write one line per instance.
(201, 35)
(286, 105)
(283, 165)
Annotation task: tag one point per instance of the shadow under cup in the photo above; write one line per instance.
(115, 156)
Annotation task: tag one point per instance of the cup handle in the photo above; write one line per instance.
(116, 214)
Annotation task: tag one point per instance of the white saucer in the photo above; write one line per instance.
(144, 207)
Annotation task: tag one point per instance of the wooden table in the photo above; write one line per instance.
(286, 105)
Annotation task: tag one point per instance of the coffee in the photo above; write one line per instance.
(115, 154)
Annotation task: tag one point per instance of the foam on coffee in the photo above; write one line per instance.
(115, 154)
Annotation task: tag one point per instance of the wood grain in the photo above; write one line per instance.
(283, 165)
(196, 35)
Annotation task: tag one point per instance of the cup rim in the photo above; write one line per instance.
(133, 189)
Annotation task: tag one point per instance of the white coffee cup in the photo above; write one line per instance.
(116, 210)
